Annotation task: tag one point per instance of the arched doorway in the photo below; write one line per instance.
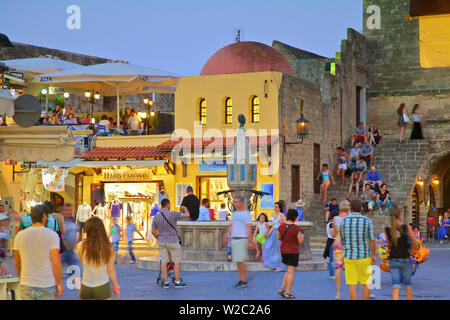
(446, 186)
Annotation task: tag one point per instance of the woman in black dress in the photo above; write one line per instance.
(416, 133)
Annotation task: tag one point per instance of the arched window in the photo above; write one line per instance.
(202, 111)
(255, 109)
(228, 111)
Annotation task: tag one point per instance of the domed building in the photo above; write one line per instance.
(246, 57)
(255, 80)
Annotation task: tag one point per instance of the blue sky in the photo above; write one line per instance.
(178, 35)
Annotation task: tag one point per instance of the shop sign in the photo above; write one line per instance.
(126, 175)
(266, 201)
(213, 166)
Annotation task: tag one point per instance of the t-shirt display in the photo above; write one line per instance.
(116, 207)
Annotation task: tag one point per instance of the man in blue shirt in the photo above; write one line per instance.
(367, 153)
(204, 210)
(373, 178)
(300, 204)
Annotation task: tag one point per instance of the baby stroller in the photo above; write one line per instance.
(170, 273)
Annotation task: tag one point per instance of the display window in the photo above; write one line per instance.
(209, 187)
(134, 199)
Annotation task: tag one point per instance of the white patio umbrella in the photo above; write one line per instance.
(30, 67)
(114, 78)
(40, 65)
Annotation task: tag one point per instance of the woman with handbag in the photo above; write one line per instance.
(401, 239)
(291, 237)
(403, 120)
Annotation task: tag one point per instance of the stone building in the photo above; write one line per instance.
(398, 61)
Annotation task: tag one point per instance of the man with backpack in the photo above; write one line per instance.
(164, 229)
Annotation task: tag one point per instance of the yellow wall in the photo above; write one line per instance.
(8, 188)
(240, 87)
(134, 141)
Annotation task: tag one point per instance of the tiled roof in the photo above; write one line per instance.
(126, 153)
(163, 151)
(191, 142)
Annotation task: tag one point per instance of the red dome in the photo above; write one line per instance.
(244, 57)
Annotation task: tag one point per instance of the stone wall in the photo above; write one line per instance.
(393, 53)
(394, 80)
(291, 91)
(21, 51)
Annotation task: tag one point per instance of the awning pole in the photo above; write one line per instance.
(46, 99)
(118, 110)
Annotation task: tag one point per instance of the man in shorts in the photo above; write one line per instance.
(356, 233)
(240, 230)
(165, 230)
(360, 134)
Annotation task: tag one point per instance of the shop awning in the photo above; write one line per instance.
(129, 153)
(258, 141)
(112, 163)
(36, 143)
(6, 103)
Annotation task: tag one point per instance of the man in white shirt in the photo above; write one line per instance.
(240, 230)
(204, 210)
(36, 258)
(134, 121)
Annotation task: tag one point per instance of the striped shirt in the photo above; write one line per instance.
(165, 232)
(356, 231)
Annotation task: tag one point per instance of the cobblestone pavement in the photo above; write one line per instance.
(430, 282)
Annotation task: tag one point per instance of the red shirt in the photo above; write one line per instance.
(289, 244)
(211, 214)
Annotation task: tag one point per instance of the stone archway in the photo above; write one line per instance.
(439, 175)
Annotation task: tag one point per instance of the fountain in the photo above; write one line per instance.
(204, 243)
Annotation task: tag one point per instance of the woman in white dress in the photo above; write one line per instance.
(271, 252)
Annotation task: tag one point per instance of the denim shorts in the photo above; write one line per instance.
(400, 272)
(34, 293)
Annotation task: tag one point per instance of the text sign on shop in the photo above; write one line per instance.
(126, 175)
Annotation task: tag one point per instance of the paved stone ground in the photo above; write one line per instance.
(430, 282)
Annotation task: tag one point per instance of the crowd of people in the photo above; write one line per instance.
(358, 166)
(129, 123)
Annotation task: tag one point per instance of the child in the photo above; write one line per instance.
(262, 229)
(131, 229)
(115, 235)
(325, 176)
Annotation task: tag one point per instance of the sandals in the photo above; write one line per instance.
(288, 295)
(281, 293)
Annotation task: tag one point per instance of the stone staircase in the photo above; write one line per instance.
(397, 164)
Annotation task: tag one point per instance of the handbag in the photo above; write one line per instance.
(405, 118)
(179, 239)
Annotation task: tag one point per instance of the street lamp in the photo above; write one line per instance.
(302, 127)
(92, 99)
(148, 102)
